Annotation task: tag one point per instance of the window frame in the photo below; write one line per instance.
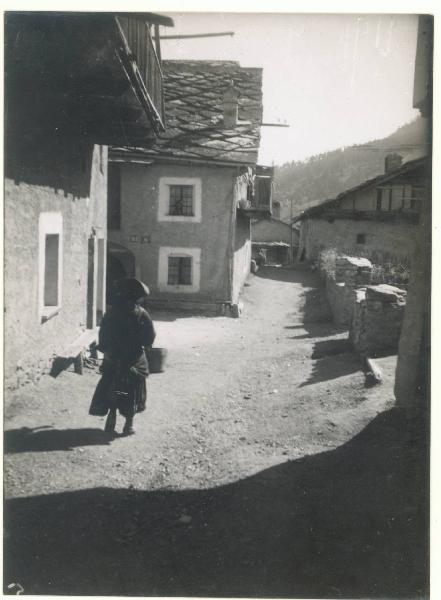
(50, 223)
(182, 199)
(165, 184)
(166, 252)
(182, 269)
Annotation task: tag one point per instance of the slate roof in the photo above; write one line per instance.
(193, 107)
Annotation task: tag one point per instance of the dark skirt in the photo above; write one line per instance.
(122, 386)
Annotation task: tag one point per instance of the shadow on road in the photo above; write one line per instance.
(351, 522)
(316, 330)
(333, 367)
(305, 277)
(325, 348)
(316, 309)
(44, 439)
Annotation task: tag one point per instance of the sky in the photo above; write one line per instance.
(337, 80)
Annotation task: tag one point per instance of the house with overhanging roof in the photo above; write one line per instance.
(74, 84)
(377, 219)
(180, 211)
(277, 239)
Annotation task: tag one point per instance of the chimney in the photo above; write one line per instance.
(392, 162)
(230, 106)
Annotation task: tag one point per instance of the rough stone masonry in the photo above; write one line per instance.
(377, 320)
(350, 273)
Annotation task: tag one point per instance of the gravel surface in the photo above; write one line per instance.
(254, 470)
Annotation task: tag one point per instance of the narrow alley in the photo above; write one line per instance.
(263, 466)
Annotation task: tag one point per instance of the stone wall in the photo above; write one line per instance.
(377, 320)
(341, 300)
(373, 313)
(384, 242)
(341, 287)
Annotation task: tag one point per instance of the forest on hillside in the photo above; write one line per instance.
(324, 176)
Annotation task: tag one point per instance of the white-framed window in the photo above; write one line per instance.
(179, 269)
(180, 199)
(50, 267)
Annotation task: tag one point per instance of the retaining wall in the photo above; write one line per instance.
(350, 273)
(373, 313)
(377, 319)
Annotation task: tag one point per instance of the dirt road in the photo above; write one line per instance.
(262, 466)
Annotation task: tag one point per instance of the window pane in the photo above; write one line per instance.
(179, 270)
(173, 270)
(51, 270)
(185, 271)
(181, 200)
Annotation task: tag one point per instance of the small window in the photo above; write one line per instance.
(51, 268)
(361, 238)
(114, 197)
(181, 201)
(179, 270)
(50, 264)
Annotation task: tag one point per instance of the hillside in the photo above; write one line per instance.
(326, 175)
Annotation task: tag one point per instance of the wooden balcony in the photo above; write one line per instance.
(259, 204)
(144, 64)
(93, 74)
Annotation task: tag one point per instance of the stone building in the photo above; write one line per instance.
(277, 238)
(72, 87)
(377, 219)
(179, 212)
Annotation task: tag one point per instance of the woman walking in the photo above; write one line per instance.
(126, 329)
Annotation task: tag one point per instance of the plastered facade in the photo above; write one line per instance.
(215, 237)
(383, 242)
(75, 189)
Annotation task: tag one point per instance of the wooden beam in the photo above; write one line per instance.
(157, 42)
(196, 35)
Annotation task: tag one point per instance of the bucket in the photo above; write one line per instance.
(156, 359)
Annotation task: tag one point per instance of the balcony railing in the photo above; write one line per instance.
(145, 64)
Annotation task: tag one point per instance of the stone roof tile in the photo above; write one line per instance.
(193, 92)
